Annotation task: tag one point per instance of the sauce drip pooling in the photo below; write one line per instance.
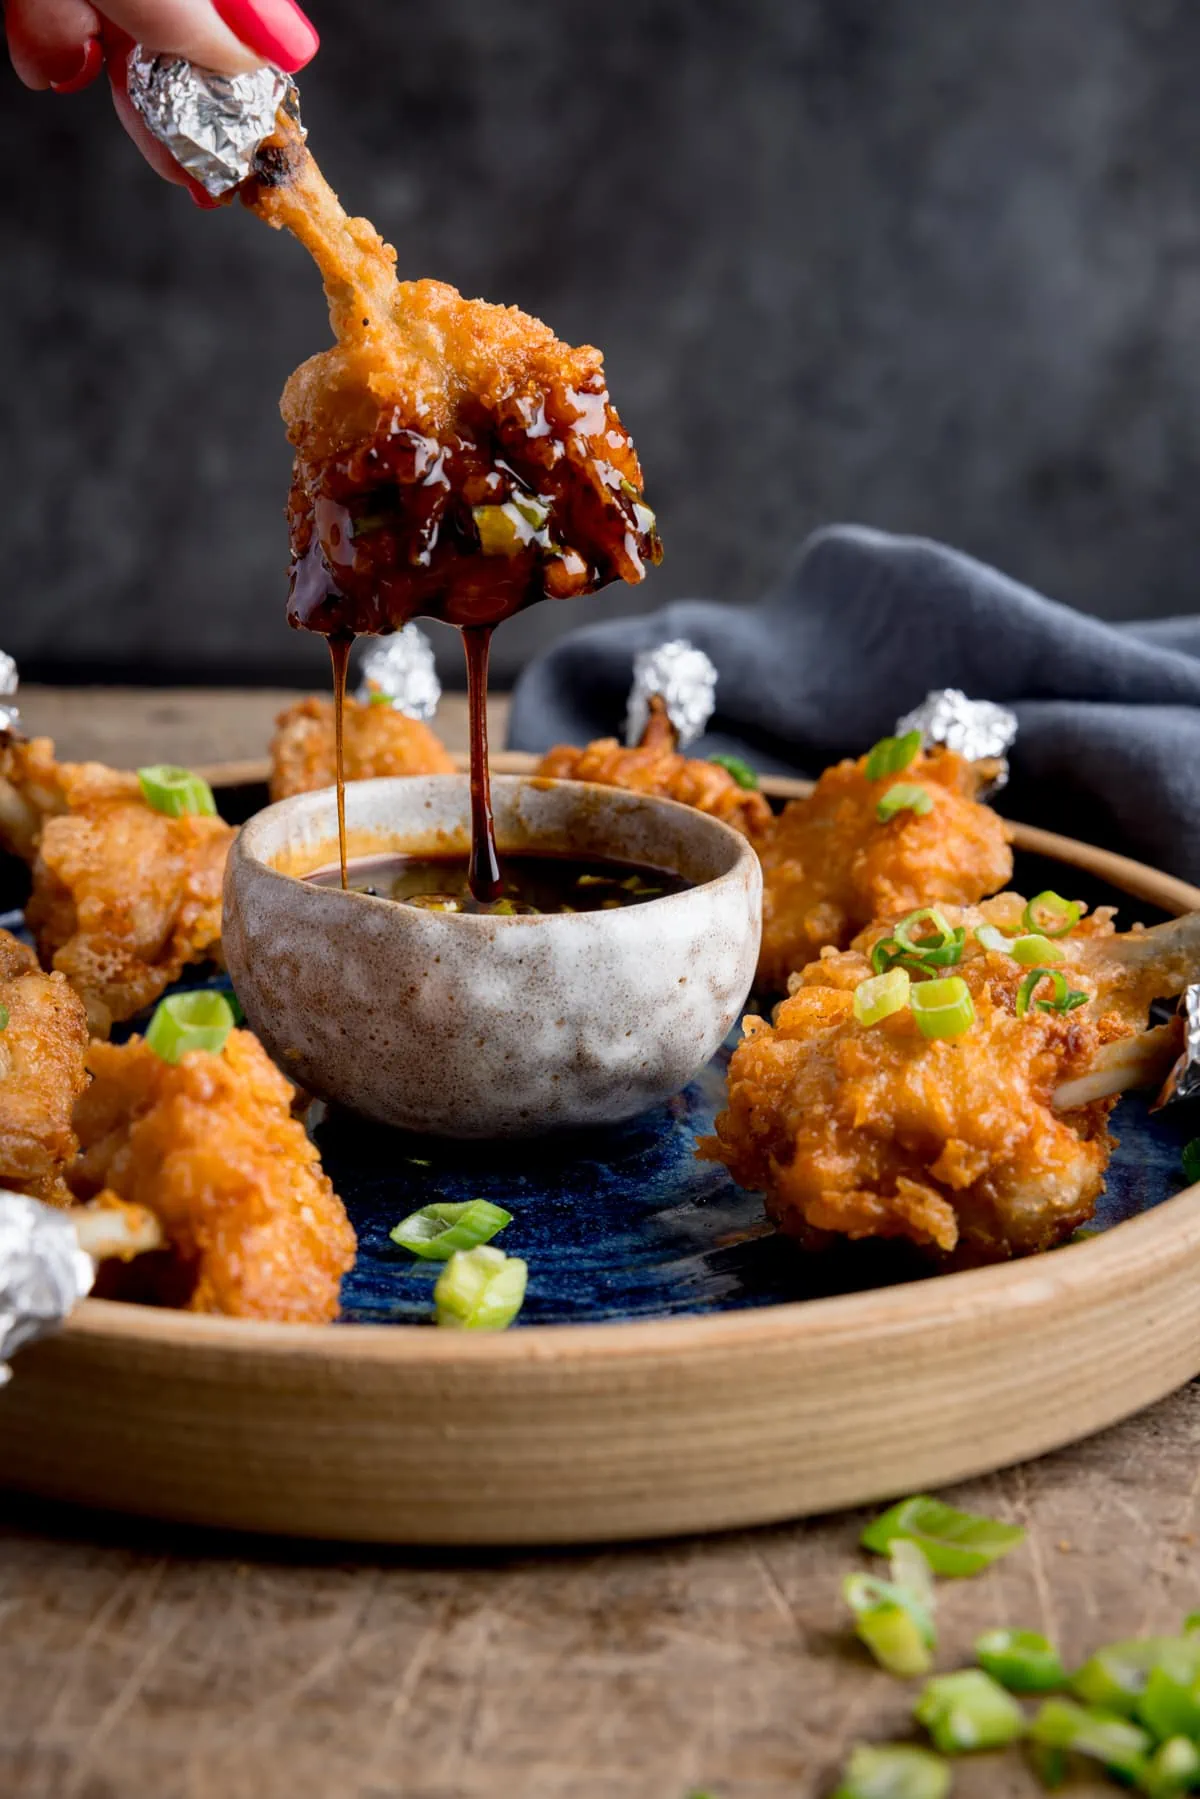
(453, 459)
(530, 884)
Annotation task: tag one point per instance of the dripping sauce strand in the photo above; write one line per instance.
(484, 871)
(339, 655)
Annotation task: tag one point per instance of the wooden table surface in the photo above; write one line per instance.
(141, 1661)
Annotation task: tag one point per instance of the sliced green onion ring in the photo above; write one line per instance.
(480, 1289)
(1065, 998)
(953, 1542)
(939, 948)
(741, 771)
(942, 1009)
(1051, 915)
(187, 1021)
(903, 797)
(1174, 1769)
(1116, 1676)
(894, 1771)
(880, 995)
(176, 792)
(1190, 1158)
(1035, 950)
(967, 1711)
(1024, 1661)
(1113, 1742)
(436, 1231)
(895, 1625)
(892, 755)
(1170, 1704)
(990, 938)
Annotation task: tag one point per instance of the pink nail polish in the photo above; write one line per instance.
(87, 64)
(276, 29)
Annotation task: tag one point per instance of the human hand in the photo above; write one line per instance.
(64, 45)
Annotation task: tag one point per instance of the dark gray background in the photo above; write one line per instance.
(932, 265)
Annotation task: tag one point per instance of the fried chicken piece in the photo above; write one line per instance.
(42, 1045)
(124, 898)
(656, 766)
(830, 866)
(453, 458)
(984, 1146)
(210, 1146)
(377, 740)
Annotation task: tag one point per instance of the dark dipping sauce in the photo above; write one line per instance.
(532, 885)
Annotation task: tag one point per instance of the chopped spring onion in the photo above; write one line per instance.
(1191, 1624)
(480, 1289)
(968, 1710)
(881, 995)
(1065, 998)
(892, 755)
(741, 771)
(1117, 1675)
(177, 792)
(375, 698)
(953, 1542)
(1024, 1661)
(1170, 1704)
(1174, 1769)
(508, 529)
(1034, 949)
(436, 1231)
(903, 797)
(4, 1016)
(1051, 915)
(894, 1771)
(188, 1021)
(991, 938)
(942, 1009)
(894, 1622)
(1190, 1158)
(1118, 1745)
(939, 947)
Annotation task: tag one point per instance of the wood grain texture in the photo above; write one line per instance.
(140, 1661)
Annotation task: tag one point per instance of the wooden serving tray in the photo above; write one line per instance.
(579, 1432)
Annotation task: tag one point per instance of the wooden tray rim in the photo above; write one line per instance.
(1118, 1257)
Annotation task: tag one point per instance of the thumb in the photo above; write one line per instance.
(229, 35)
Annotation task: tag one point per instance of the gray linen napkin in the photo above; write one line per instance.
(862, 626)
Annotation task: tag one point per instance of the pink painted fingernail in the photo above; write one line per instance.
(82, 70)
(276, 29)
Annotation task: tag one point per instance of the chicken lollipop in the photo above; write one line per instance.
(377, 741)
(898, 828)
(948, 1078)
(43, 1037)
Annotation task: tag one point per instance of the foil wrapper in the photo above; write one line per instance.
(212, 124)
(685, 679)
(1183, 1082)
(9, 680)
(43, 1272)
(403, 668)
(979, 730)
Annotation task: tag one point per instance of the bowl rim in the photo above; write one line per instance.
(744, 859)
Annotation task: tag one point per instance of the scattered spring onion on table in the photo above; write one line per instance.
(188, 1021)
(436, 1231)
(894, 1618)
(1190, 1158)
(894, 1771)
(952, 1542)
(903, 797)
(967, 1711)
(177, 792)
(1024, 1661)
(1120, 1747)
(480, 1289)
(740, 771)
(892, 755)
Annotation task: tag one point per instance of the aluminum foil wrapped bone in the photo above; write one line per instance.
(978, 730)
(403, 668)
(685, 679)
(212, 124)
(1183, 1082)
(9, 682)
(43, 1272)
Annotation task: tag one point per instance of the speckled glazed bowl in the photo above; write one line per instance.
(474, 1026)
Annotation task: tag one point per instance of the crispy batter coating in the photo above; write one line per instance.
(830, 866)
(377, 740)
(123, 898)
(42, 1074)
(428, 407)
(210, 1146)
(955, 1144)
(656, 766)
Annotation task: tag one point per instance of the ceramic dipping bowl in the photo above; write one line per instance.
(466, 1025)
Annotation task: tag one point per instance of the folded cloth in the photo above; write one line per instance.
(862, 627)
